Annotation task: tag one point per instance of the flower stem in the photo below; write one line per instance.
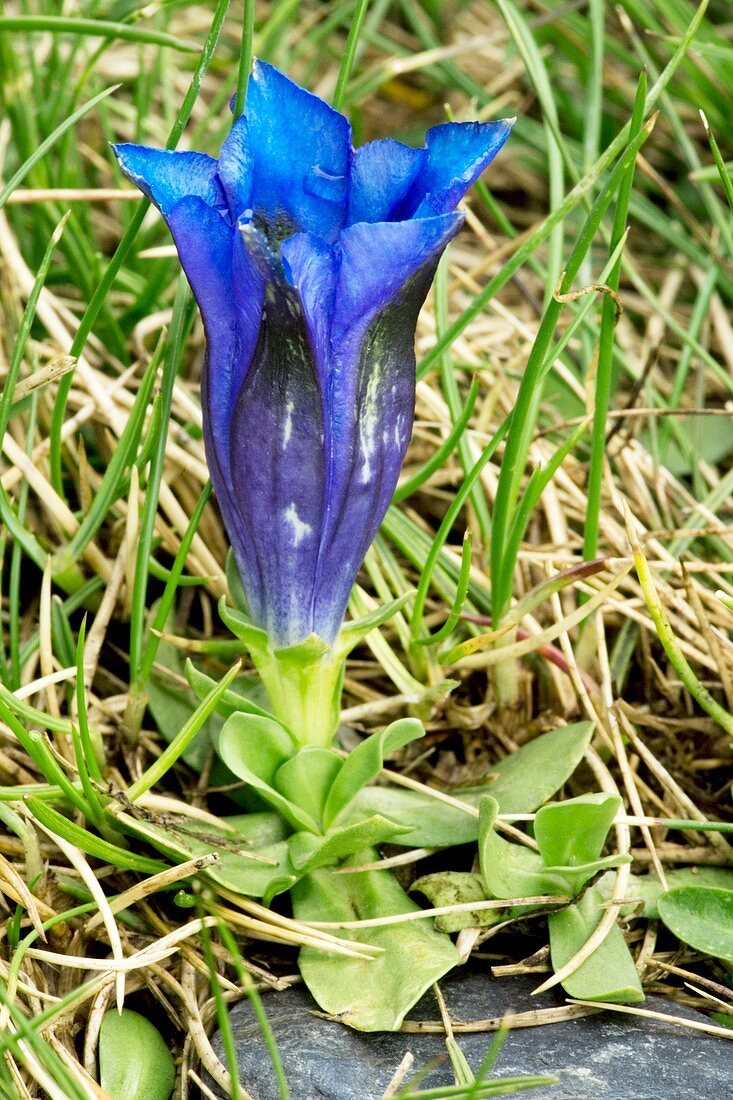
(304, 696)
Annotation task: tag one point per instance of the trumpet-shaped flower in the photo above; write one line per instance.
(310, 261)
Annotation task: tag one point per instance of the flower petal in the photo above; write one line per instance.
(277, 469)
(458, 152)
(377, 261)
(301, 149)
(380, 177)
(236, 168)
(312, 266)
(366, 371)
(229, 290)
(167, 176)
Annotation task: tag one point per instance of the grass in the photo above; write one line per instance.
(573, 403)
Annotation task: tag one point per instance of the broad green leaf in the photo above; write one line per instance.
(523, 781)
(696, 439)
(457, 888)
(647, 889)
(134, 1060)
(280, 884)
(370, 994)
(253, 830)
(260, 745)
(510, 870)
(701, 916)
(432, 824)
(306, 778)
(575, 831)
(249, 859)
(307, 856)
(254, 748)
(609, 973)
(365, 762)
(530, 776)
(571, 879)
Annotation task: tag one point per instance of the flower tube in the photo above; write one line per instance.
(309, 261)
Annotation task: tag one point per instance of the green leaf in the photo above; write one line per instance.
(250, 858)
(701, 916)
(432, 824)
(536, 771)
(574, 832)
(254, 748)
(523, 781)
(697, 439)
(457, 888)
(134, 1060)
(369, 994)
(648, 889)
(245, 694)
(353, 632)
(609, 973)
(510, 870)
(305, 779)
(306, 855)
(365, 762)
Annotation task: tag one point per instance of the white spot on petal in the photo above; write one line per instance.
(300, 528)
(288, 428)
(369, 423)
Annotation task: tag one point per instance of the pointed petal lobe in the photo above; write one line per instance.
(458, 152)
(381, 175)
(236, 168)
(166, 176)
(377, 260)
(229, 290)
(302, 149)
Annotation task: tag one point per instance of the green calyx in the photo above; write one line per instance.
(304, 681)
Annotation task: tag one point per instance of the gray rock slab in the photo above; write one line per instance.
(602, 1057)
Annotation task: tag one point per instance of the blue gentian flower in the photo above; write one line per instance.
(309, 261)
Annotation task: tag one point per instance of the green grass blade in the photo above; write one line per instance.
(523, 415)
(19, 175)
(183, 739)
(605, 343)
(111, 854)
(349, 55)
(110, 275)
(245, 57)
(98, 28)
